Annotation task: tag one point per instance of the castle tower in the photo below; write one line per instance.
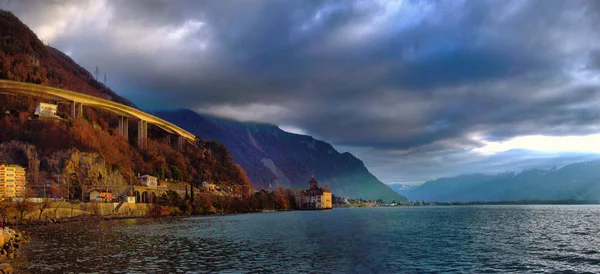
(313, 184)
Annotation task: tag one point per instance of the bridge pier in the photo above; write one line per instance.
(76, 109)
(180, 142)
(142, 133)
(124, 127)
(120, 125)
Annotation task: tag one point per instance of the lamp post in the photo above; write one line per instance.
(69, 178)
(68, 190)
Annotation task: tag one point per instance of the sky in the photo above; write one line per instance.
(416, 89)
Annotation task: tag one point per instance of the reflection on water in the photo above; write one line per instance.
(453, 239)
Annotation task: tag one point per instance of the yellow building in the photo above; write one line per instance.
(12, 181)
(315, 197)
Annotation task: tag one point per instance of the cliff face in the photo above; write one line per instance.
(87, 168)
(273, 157)
(71, 166)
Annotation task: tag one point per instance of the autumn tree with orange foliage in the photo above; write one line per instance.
(203, 161)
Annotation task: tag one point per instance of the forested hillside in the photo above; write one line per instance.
(88, 148)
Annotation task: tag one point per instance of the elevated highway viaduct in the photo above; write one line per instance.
(78, 100)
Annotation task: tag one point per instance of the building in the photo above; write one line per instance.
(209, 186)
(315, 197)
(12, 181)
(45, 110)
(130, 199)
(101, 195)
(147, 180)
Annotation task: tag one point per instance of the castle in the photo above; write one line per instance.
(315, 197)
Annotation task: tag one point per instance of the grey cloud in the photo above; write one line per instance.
(594, 62)
(430, 165)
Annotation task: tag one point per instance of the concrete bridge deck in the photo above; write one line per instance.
(79, 99)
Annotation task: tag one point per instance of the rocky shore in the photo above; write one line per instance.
(11, 241)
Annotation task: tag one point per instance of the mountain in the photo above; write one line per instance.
(87, 151)
(24, 58)
(580, 181)
(273, 157)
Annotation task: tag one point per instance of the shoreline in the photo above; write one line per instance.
(82, 218)
(97, 218)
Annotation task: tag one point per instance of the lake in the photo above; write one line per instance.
(381, 240)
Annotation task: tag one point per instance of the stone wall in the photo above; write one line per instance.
(66, 210)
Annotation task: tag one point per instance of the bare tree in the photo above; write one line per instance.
(23, 206)
(43, 206)
(5, 209)
(73, 206)
(94, 208)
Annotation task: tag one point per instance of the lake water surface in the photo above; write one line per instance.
(384, 240)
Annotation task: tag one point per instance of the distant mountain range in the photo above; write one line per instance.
(273, 157)
(580, 181)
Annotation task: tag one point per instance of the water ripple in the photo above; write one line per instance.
(482, 239)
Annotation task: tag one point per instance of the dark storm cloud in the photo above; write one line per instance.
(385, 79)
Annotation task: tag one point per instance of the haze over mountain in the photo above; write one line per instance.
(273, 157)
(580, 181)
